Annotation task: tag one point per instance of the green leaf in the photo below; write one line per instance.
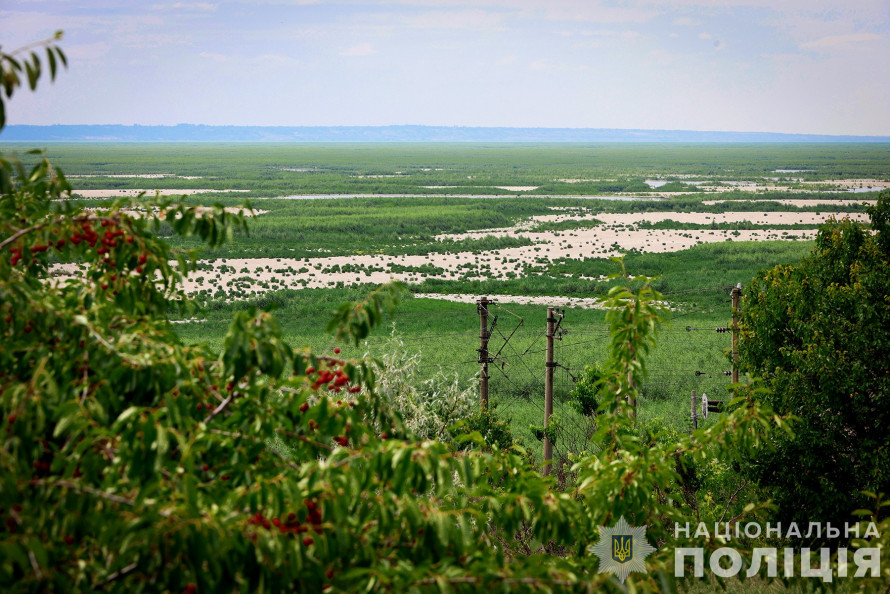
(125, 416)
(51, 58)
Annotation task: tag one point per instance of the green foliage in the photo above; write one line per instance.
(550, 432)
(493, 430)
(583, 394)
(640, 478)
(818, 332)
(429, 406)
(12, 66)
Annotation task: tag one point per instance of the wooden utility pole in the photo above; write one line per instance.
(482, 309)
(694, 415)
(736, 304)
(548, 390)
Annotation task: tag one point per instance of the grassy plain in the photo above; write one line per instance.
(404, 196)
(278, 169)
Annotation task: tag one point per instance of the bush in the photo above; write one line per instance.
(819, 333)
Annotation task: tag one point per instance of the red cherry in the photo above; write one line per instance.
(336, 350)
(304, 407)
(307, 541)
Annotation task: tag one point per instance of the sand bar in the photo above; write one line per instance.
(132, 193)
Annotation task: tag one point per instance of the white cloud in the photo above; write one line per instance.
(213, 56)
(87, 51)
(592, 12)
(276, 58)
(196, 6)
(358, 50)
(834, 41)
(686, 22)
(464, 19)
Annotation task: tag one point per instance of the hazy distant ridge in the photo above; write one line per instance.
(199, 133)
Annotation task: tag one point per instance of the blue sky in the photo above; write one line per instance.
(799, 66)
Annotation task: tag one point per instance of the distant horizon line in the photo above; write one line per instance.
(452, 126)
(395, 133)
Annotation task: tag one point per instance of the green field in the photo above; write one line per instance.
(397, 210)
(271, 169)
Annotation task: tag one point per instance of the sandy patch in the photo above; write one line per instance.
(798, 202)
(618, 234)
(520, 299)
(133, 193)
(770, 185)
(508, 188)
(249, 276)
(256, 275)
(853, 183)
(626, 221)
(758, 218)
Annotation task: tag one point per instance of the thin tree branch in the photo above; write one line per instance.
(34, 565)
(729, 502)
(115, 576)
(12, 238)
(222, 406)
(30, 46)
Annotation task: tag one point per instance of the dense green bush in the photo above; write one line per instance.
(819, 333)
